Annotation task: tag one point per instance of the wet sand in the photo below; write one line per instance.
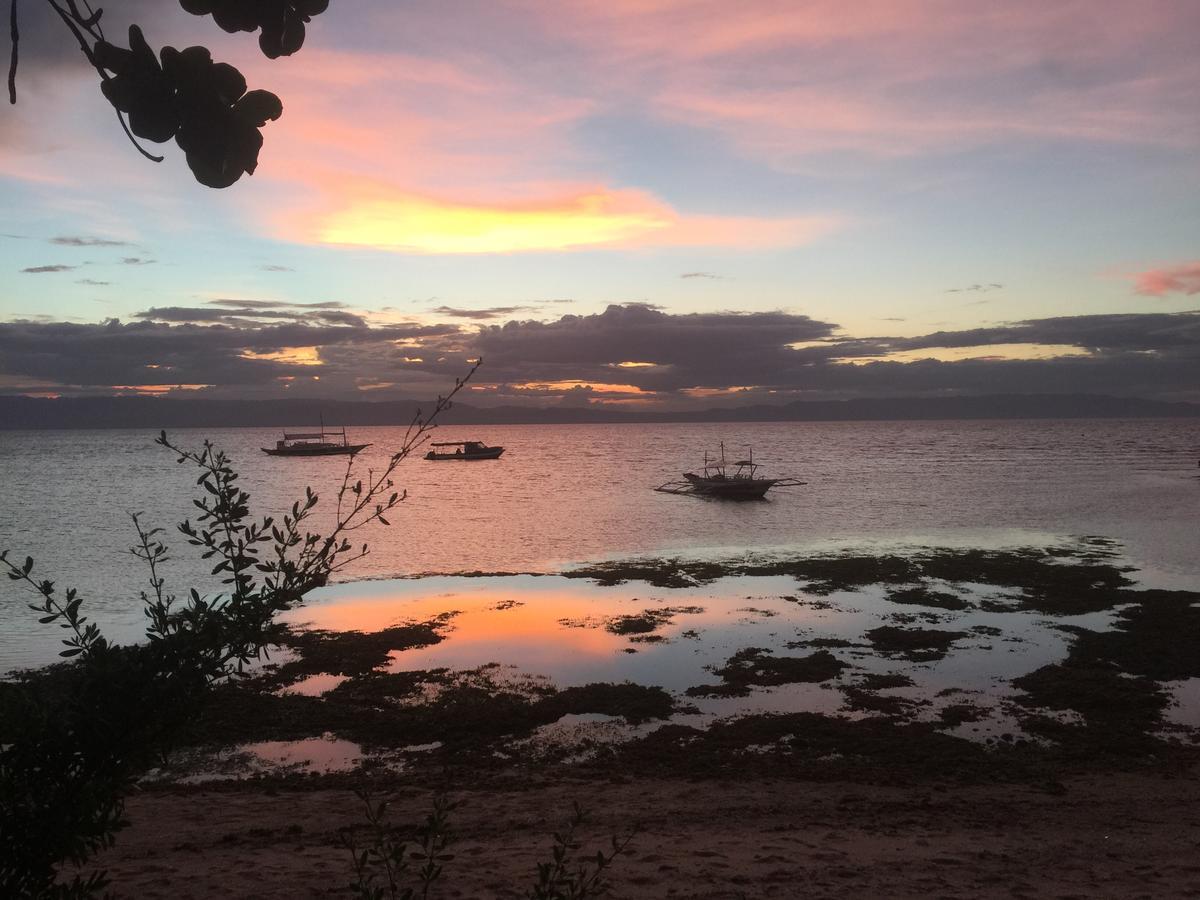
(1120, 835)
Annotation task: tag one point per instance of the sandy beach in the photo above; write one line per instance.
(1112, 835)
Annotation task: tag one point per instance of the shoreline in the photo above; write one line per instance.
(814, 732)
(987, 663)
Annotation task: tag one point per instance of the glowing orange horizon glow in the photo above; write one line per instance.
(599, 387)
(652, 400)
(434, 226)
(158, 388)
(718, 392)
(359, 213)
(985, 351)
(296, 356)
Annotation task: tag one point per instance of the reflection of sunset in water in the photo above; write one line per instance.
(557, 627)
(483, 619)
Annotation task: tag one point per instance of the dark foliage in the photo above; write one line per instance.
(183, 94)
(73, 744)
(282, 21)
(202, 104)
(383, 862)
(381, 865)
(569, 876)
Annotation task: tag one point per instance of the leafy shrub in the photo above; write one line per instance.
(74, 740)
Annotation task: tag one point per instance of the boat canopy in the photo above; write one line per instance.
(318, 435)
(455, 443)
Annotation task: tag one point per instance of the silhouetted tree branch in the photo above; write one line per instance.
(74, 739)
(182, 94)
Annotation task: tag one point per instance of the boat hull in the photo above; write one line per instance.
(489, 453)
(315, 450)
(731, 488)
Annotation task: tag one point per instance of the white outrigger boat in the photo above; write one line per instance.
(314, 443)
(716, 481)
(467, 450)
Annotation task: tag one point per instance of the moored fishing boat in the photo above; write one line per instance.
(715, 480)
(466, 450)
(314, 443)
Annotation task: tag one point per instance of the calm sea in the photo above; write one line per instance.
(565, 493)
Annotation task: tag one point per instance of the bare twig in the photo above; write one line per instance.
(129, 134)
(87, 31)
(12, 60)
(74, 27)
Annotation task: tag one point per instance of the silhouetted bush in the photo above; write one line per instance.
(74, 739)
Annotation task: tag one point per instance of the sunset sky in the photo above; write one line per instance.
(649, 203)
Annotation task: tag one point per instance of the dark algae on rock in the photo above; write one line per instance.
(354, 652)
(1112, 679)
(1067, 579)
(916, 644)
(922, 595)
(755, 666)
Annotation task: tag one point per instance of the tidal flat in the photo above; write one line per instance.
(942, 662)
(838, 724)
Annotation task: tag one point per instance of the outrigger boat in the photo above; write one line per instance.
(313, 443)
(715, 480)
(467, 450)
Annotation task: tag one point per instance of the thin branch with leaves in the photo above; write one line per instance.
(568, 877)
(80, 736)
(381, 866)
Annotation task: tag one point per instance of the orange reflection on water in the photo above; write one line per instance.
(557, 627)
(489, 624)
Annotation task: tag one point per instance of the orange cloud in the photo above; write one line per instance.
(296, 356)
(1181, 279)
(596, 386)
(985, 351)
(703, 392)
(156, 389)
(363, 213)
(422, 155)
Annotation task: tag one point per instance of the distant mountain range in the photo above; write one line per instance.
(156, 412)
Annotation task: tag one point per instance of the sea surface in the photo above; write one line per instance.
(566, 494)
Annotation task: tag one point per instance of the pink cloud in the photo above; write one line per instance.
(1181, 279)
(787, 82)
(542, 105)
(402, 153)
(427, 122)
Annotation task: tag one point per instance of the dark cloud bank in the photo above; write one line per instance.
(655, 364)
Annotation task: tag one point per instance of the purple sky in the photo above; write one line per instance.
(647, 203)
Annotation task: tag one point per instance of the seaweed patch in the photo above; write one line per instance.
(756, 667)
